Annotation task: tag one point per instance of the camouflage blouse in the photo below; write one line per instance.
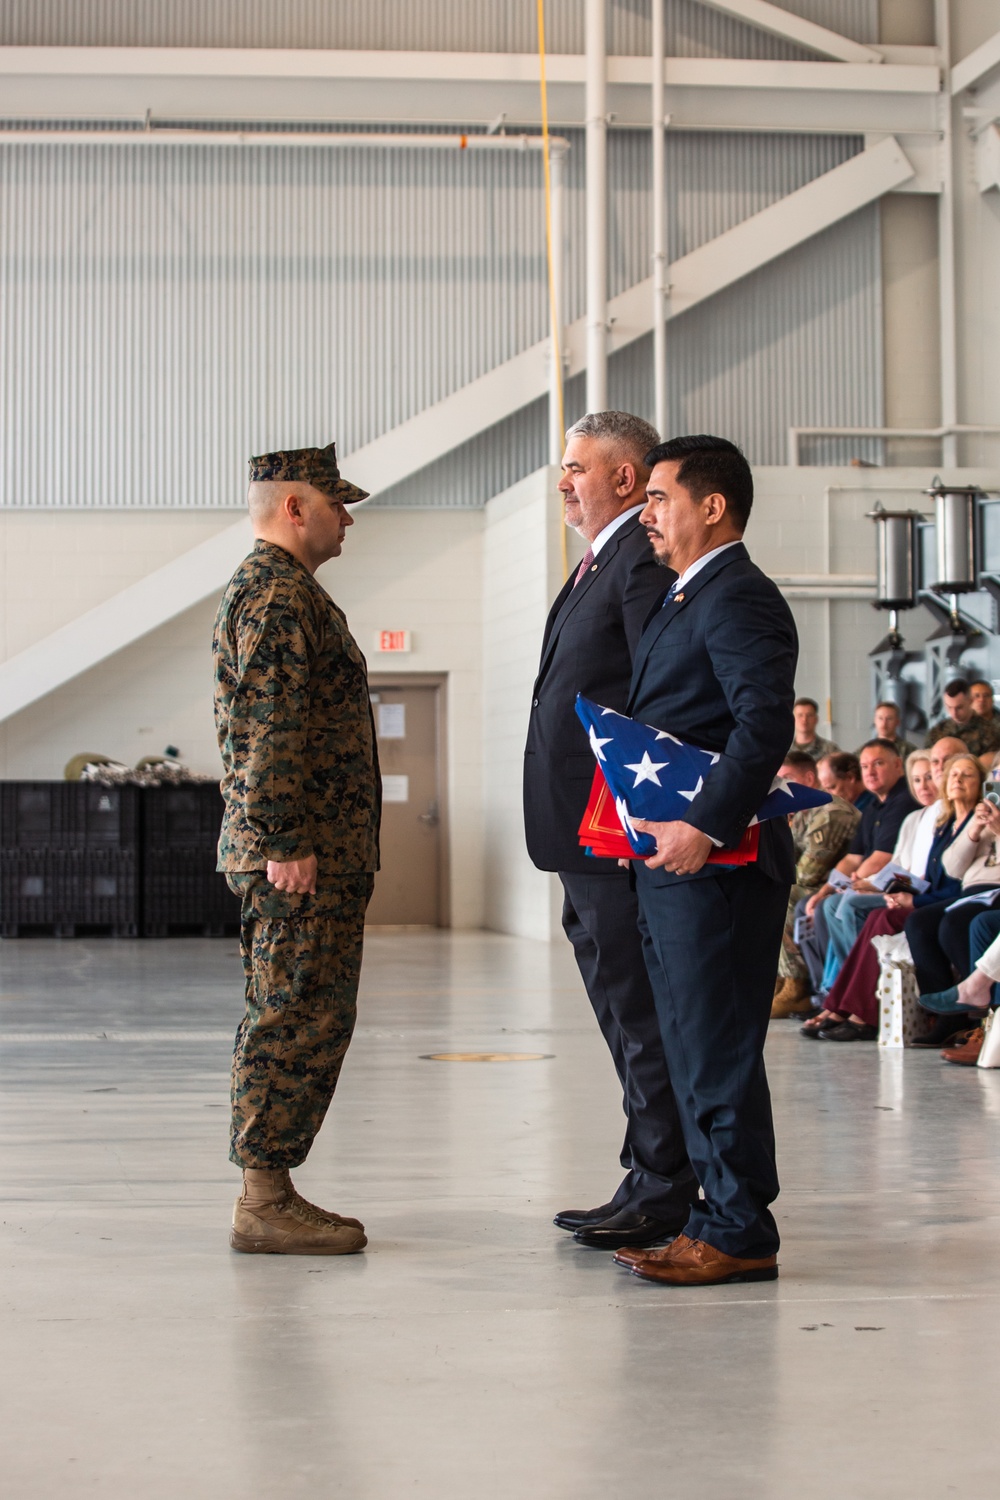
(294, 723)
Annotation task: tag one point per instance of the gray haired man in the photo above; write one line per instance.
(590, 636)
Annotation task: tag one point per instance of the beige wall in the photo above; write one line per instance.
(972, 23)
(911, 321)
(522, 573)
(907, 23)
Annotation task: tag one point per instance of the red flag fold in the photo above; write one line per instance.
(602, 833)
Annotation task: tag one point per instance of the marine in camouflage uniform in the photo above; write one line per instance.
(979, 736)
(821, 836)
(301, 779)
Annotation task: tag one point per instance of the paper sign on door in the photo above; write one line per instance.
(395, 788)
(392, 721)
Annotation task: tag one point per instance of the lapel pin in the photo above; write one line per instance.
(593, 568)
(678, 598)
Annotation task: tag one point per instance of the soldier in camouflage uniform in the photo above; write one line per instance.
(821, 836)
(981, 737)
(299, 839)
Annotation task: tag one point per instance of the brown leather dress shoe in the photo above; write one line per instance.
(966, 1055)
(687, 1262)
(630, 1255)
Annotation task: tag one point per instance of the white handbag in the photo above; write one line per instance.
(902, 1021)
(989, 1056)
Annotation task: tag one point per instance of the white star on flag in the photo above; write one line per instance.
(779, 784)
(595, 744)
(661, 734)
(623, 816)
(690, 796)
(646, 769)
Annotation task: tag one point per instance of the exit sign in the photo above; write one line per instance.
(392, 640)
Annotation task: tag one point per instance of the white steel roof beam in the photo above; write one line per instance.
(780, 22)
(974, 68)
(258, 84)
(394, 456)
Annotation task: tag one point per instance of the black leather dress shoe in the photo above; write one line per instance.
(579, 1218)
(849, 1031)
(628, 1229)
(944, 1028)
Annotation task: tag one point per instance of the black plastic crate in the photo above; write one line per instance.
(182, 889)
(182, 817)
(63, 891)
(64, 815)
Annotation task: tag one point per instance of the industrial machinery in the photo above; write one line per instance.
(951, 565)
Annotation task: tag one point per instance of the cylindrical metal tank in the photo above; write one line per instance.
(896, 558)
(956, 524)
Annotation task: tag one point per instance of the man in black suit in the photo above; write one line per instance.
(590, 635)
(716, 667)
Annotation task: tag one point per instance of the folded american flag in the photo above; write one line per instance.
(653, 775)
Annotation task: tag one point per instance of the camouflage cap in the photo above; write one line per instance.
(315, 466)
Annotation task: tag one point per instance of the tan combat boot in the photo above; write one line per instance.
(270, 1218)
(791, 1000)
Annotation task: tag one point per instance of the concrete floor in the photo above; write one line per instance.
(473, 1351)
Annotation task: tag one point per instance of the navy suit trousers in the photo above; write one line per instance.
(601, 919)
(711, 946)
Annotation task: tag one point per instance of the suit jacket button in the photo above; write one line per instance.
(534, 702)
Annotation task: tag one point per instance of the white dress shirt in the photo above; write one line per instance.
(700, 562)
(612, 527)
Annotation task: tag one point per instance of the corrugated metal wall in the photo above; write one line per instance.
(400, 25)
(169, 310)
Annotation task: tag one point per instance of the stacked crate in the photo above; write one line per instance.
(181, 888)
(68, 858)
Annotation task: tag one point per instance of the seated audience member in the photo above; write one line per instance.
(840, 774)
(821, 836)
(871, 847)
(806, 711)
(845, 918)
(923, 839)
(981, 699)
(964, 1046)
(887, 720)
(981, 990)
(980, 736)
(938, 934)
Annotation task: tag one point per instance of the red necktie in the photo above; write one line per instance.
(588, 558)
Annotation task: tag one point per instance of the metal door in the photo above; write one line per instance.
(408, 888)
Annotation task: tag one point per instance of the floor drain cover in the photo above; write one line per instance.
(484, 1056)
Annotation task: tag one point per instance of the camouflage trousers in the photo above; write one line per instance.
(302, 963)
(791, 964)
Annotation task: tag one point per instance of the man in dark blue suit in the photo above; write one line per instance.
(716, 667)
(590, 636)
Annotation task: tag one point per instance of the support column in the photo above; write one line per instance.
(946, 245)
(597, 203)
(659, 207)
(557, 438)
